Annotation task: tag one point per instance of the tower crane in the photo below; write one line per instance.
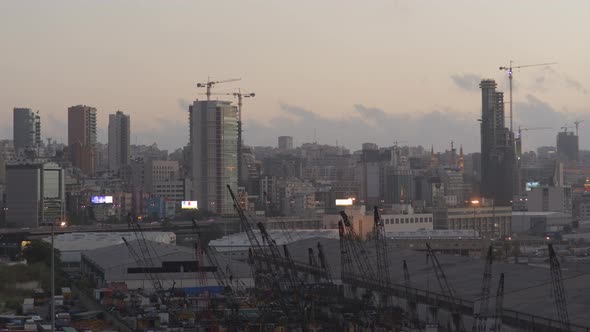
(209, 84)
(577, 124)
(521, 129)
(566, 127)
(240, 95)
(510, 69)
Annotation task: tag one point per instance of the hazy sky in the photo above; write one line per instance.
(350, 71)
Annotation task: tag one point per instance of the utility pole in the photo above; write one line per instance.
(52, 279)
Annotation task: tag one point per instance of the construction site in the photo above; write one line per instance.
(332, 284)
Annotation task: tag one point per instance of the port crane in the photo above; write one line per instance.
(209, 84)
(510, 70)
(558, 289)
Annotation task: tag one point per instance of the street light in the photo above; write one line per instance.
(474, 203)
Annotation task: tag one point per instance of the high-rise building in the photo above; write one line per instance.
(119, 140)
(35, 194)
(214, 153)
(567, 146)
(497, 147)
(285, 143)
(82, 137)
(26, 130)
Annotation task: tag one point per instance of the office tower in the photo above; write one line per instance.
(82, 137)
(285, 143)
(26, 130)
(567, 146)
(35, 194)
(213, 141)
(497, 147)
(119, 140)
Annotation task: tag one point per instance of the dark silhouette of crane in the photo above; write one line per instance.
(209, 84)
(510, 70)
(558, 290)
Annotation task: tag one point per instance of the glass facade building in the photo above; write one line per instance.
(214, 154)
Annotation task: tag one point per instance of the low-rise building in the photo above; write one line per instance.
(537, 223)
(488, 221)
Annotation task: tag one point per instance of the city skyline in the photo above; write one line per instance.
(387, 85)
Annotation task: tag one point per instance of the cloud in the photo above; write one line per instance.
(548, 78)
(536, 113)
(571, 83)
(366, 124)
(167, 133)
(183, 104)
(468, 82)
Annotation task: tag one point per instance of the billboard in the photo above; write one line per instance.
(344, 202)
(531, 185)
(189, 205)
(102, 200)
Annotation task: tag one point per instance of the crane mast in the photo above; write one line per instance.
(380, 247)
(446, 289)
(481, 314)
(510, 71)
(411, 299)
(499, 303)
(558, 290)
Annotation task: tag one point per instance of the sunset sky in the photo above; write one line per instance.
(348, 71)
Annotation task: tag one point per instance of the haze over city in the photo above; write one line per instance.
(335, 71)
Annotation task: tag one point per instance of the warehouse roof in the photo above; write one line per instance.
(527, 288)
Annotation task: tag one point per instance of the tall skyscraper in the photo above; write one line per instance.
(26, 130)
(82, 137)
(497, 147)
(567, 146)
(214, 153)
(119, 140)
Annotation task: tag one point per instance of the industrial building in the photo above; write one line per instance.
(174, 266)
(537, 223)
(488, 221)
(72, 245)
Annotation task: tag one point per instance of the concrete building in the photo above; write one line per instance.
(537, 223)
(285, 143)
(119, 140)
(407, 222)
(176, 190)
(213, 141)
(157, 171)
(35, 194)
(488, 221)
(549, 199)
(82, 137)
(26, 131)
(497, 147)
(567, 146)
